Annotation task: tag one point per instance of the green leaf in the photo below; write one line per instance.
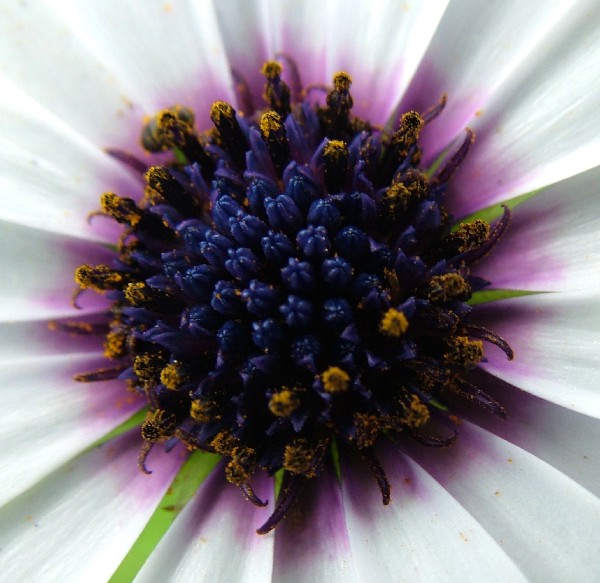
(187, 481)
(490, 213)
(493, 295)
(135, 420)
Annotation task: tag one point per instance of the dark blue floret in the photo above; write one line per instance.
(336, 273)
(313, 243)
(294, 282)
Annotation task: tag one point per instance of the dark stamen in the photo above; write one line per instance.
(274, 134)
(249, 494)
(339, 102)
(243, 94)
(163, 182)
(128, 159)
(368, 454)
(492, 337)
(480, 398)
(288, 494)
(102, 374)
(452, 166)
(497, 231)
(335, 157)
(234, 140)
(277, 93)
(433, 440)
(434, 111)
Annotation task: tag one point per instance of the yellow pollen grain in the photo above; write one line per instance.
(397, 196)
(283, 403)
(270, 122)
(241, 465)
(335, 379)
(158, 425)
(471, 235)
(342, 81)
(464, 351)
(118, 208)
(201, 410)
(221, 110)
(335, 149)
(298, 458)
(224, 443)
(417, 413)
(147, 366)
(367, 429)
(115, 345)
(135, 293)
(99, 278)
(156, 177)
(448, 286)
(271, 70)
(171, 377)
(393, 323)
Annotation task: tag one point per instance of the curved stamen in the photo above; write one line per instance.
(480, 398)
(143, 456)
(433, 440)
(491, 337)
(128, 159)
(368, 454)
(452, 166)
(497, 231)
(435, 110)
(288, 494)
(249, 494)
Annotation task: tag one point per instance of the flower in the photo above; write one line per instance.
(511, 500)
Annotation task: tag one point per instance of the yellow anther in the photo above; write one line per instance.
(335, 379)
(450, 286)
(299, 458)
(115, 345)
(463, 351)
(283, 403)
(335, 150)
(270, 122)
(342, 81)
(417, 413)
(393, 323)
(271, 70)
(99, 278)
(171, 376)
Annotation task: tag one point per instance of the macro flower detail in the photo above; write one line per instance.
(291, 279)
(159, 108)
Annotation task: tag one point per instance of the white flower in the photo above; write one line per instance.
(513, 500)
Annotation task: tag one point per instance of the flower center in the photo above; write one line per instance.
(289, 280)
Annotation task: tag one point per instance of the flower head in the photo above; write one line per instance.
(292, 290)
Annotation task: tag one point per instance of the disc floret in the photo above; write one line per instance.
(288, 280)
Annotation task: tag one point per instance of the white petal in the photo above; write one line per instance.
(555, 338)
(82, 520)
(543, 520)
(422, 535)
(22, 341)
(48, 417)
(38, 270)
(564, 439)
(475, 49)
(214, 538)
(543, 126)
(552, 242)
(166, 53)
(379, 43)
(41, 54)
(50, 177)
(312, 544)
